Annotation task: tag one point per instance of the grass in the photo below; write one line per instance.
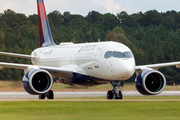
(127, 98)
(91, 110)
(17, 86)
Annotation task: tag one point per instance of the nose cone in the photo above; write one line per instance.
(125, 69)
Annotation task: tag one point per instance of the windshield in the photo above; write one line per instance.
(128, 54)
(117, 54)
(108, 54)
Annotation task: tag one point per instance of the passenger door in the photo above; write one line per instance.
(96, 58)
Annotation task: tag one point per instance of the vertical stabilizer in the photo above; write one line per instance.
(45, 37)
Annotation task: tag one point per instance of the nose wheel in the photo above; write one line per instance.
(115, 93)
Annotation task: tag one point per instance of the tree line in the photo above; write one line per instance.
(153, 37)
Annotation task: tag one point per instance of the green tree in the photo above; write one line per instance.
(56, 18)
(110, 21)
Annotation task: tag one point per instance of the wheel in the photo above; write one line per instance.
(50, 95)
(109, 94)
(118, 97)
(115, 96)
(42, 96)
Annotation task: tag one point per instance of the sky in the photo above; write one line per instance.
(83, 7)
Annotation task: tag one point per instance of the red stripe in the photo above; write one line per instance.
(45, 37)
(41, 13)
(41, 10)
(40, 34)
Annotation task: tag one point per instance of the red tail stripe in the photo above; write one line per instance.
(41, 10)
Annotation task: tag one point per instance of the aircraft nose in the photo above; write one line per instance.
(128, 70)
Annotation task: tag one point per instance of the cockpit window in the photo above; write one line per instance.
(108, 54)
(118, 54)
(128, 54)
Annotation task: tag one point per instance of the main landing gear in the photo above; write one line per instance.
(49, 95)
(115, 93)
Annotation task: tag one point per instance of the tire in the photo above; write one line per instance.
(50, 95)
(120, 95)
(109, 94)
(42, 96)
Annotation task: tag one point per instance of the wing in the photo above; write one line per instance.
(17, 55)
(141, 68)
(64, 72)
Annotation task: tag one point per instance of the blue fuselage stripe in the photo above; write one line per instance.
(85, 80)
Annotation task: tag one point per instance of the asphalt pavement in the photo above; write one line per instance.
(24, 95)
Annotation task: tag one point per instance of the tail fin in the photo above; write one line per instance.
(45, 37)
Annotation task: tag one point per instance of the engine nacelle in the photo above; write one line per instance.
(37, 82)
(150, 82)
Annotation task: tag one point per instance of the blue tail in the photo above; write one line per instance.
(45, 37)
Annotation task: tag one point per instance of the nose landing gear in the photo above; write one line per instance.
(115, 93)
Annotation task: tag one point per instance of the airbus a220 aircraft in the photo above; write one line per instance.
(86, 64)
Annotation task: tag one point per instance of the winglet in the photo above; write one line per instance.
(45, 37)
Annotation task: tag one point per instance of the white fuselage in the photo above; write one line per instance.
(100, 60)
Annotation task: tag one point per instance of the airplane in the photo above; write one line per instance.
(84, 64)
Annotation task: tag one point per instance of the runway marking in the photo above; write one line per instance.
(90, 100)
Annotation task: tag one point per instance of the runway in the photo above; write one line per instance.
(24, 95)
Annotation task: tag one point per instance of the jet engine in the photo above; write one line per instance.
(37, 82)
(150, 82)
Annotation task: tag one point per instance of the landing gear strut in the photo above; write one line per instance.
(49, 95)
(115, 93)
